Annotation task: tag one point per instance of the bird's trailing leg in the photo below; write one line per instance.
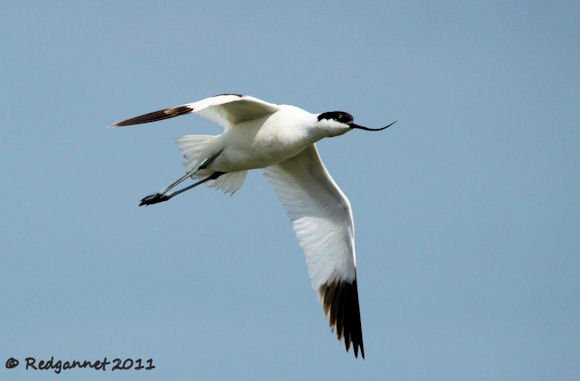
(164, 196)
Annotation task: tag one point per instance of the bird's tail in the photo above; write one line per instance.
(198, 148)
(195, 149)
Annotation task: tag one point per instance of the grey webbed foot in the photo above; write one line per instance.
(153, 199)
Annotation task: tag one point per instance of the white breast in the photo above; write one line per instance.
(266, 141)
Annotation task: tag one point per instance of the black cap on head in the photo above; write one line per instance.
(339, 116)
(346, 118)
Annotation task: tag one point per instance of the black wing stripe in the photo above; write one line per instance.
(156, 116)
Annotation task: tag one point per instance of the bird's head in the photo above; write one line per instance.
(339, 122)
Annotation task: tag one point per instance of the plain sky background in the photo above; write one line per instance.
(467, 211)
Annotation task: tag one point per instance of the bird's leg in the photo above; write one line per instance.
(163, 196)
(176, 182)
(209, 160)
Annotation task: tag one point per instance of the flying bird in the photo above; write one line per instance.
(281, 140)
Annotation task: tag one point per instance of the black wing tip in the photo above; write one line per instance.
(155, 116)
(340, 302)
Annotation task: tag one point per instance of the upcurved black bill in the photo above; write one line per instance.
(352, 125)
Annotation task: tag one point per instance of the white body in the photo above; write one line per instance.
(265, 141)
(268, 140)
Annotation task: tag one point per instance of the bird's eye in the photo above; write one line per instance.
(344, 118)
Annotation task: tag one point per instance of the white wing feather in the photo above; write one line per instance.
(229, 110)
(320, 214)
(226, 110)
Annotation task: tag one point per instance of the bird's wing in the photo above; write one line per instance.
(322, 220)
(227, 110)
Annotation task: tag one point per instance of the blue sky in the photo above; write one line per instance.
(467, 211)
